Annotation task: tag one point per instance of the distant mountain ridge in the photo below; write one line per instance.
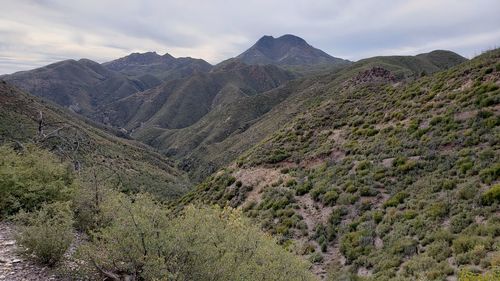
(163, 67)
(79, 85)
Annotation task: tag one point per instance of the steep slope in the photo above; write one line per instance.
(241, 128)
(381, 180)
(79, 85)
(181, 103)
(25, 118)
(151, 65)
(291, 52)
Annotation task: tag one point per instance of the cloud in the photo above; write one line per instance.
(36, 32)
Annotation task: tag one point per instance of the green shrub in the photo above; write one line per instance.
(491, 195)
(460, 222)
(490, 174)
(397, 199)
(466, 243)
(356, 244)
(437, 210)
(404, 247)
(200, 244)
(30, 179)
(330, 197)
(46, 233)
(439, 250)
(303, 188)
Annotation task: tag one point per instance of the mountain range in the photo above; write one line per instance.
(371, 169)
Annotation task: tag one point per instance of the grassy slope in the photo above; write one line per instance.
(135, 164)
(381, 180)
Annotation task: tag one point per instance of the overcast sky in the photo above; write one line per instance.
(38, 32)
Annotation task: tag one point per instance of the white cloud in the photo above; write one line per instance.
(36, 32)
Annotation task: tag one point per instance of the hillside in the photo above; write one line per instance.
(163, 67)
(379, 178)
(223, 134)
(181, 103)
(86, 144)
(79, 85)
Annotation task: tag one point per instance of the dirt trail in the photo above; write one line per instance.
(14, 267)
(313, 214)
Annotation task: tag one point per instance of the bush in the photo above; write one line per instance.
(330, 197)
(460, 222)
(491, 195)
(439, 250)
(437, 210)
(464, 244)
(356, 244)
(397, 199)
(199, 244)
(491, 174)
(46, 233)
(30, 179)
(303, 188)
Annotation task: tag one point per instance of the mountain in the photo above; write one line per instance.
(164, 68)
(226, 132)
(79, 85)
(84, 85)
(378, 178)
(291, 52)
(181, 103)
(27, 119)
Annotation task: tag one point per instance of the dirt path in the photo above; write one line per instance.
(13, 267)
(314, 214)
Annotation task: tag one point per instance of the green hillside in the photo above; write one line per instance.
(377, 178)
(87, 144)
(242, 124)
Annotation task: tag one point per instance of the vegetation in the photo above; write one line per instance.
(31, 178)
(403, 177)
(136, 236)
(46, 233)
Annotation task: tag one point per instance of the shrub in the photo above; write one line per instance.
(46, 233)
(468, 275)
(460, 222)
(200, 244)
(439, 250)
(405, 247)
(30, 179)
(397, 199)
(464, 243)
(330, 197)
(490, 174)
(437, 210)
(356, 244)
(491, 195)
(303, 188)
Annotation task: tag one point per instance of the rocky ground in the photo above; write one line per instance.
(15, 267)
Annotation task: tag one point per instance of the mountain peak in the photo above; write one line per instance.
(286, 50)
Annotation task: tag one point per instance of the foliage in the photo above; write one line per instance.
(46, 233)
(201, 244)
(491, 195)
(30, 178)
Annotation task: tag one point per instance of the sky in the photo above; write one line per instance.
(34, 33)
